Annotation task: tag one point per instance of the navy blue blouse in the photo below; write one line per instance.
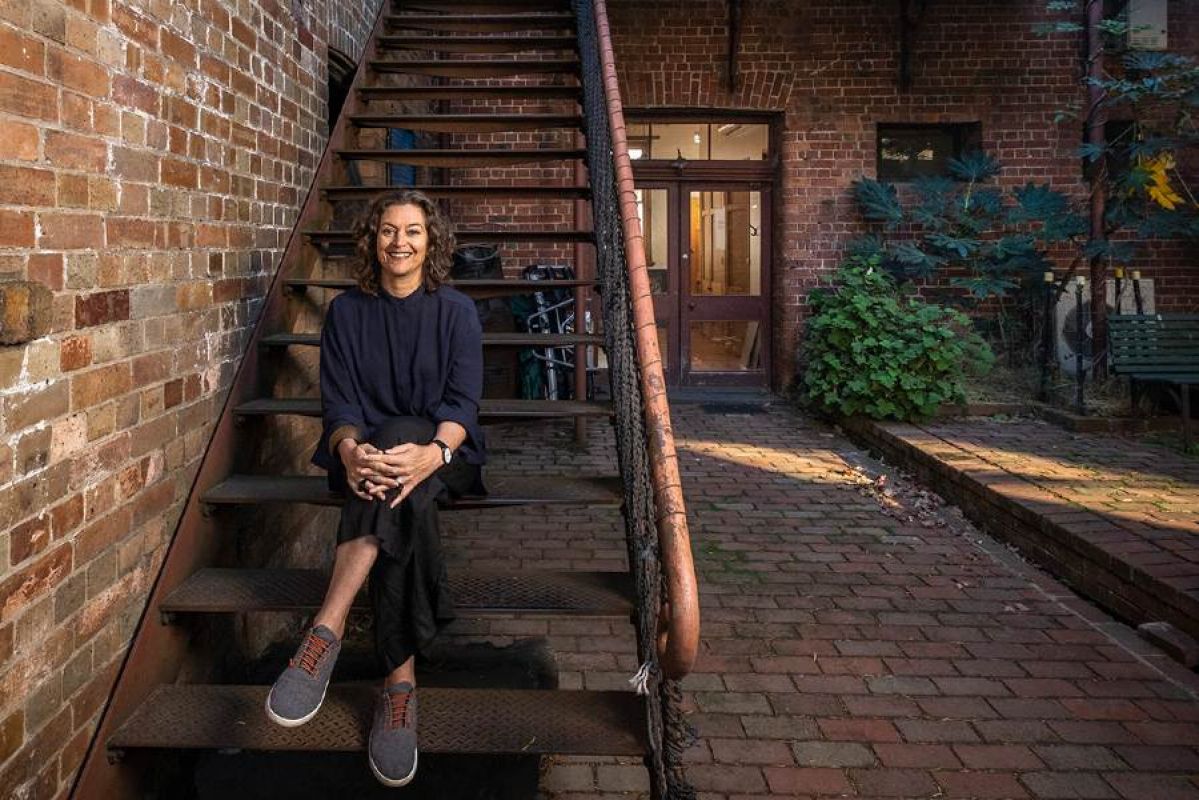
(385, 356)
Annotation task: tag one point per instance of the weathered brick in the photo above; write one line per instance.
(89, 389)
(73, 151)
(16, 228)
(832, 754)
(81, 74)
(27, 584)
(18, 141)
(25, 312)
(28, 98)
(22, 52)
(34, 406)
(71, 231)
(101, 308)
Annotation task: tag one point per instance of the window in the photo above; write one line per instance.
(907, 152)
(699, 141)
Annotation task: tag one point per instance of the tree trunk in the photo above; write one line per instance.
(1096, 117)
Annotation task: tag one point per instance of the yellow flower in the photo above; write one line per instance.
(1159, 189)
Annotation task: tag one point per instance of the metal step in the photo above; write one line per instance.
(478, 288)
(472, 159)
(233, 591)
(527, 92)
(345, 238)
(496, 721)
(456, 192)
(490, 410)
(480, 6)
(490, 339)
(443, 68)
(504, 491)
(468, 123)
(483, 23)
(477, 44)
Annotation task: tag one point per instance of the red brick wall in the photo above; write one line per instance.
(830, 71)
(153, 157)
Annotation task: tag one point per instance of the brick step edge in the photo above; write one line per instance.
(1121, 588)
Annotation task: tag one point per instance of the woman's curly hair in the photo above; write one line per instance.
(438, 257)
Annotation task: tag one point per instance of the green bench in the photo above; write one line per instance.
(1157, 348)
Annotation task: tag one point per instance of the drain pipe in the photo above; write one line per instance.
(1096, 117)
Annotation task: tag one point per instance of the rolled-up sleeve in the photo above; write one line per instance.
(464, 380)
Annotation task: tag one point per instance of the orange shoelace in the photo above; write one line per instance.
(397, 704)
(310, 655)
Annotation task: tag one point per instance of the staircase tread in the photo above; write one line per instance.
(544, 91)
(463, 285)
(473, 236)
(490, 338)
(484, 115)
(499, 721)
(235, 590)
(481, 153)
(489, 408)
(514, 43)
(502, 491)
(563, 192)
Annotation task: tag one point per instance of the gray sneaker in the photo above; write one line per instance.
(392, 748)
(298, 693)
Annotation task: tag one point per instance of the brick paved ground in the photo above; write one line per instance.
(854, 643)
(1116, 517)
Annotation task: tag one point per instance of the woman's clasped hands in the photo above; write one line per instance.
(373, 473)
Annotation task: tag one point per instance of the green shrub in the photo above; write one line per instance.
(872, 349)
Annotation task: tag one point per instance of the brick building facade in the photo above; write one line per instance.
(153, 159)
(828, 73)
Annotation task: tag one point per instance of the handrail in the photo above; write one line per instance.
(678, 638)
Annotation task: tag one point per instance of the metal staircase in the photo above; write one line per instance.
(462, 66)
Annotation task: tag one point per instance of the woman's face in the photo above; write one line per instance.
(402, 244)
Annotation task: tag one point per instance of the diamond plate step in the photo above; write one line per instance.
(498, 721)
(503, 491)
(480, 6)
(483, 23)
(490, 410)
(468, 123)
(491, 192)
(476, 287)
(231, 591)
(477, 44)
(445, 68)
(490, 339)
(525, 92)
(345, 238)
(463, 158)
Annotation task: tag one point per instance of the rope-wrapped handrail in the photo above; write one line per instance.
(678, 640)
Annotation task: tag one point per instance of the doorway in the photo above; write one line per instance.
(708, 250)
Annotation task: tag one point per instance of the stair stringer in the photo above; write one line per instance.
(158, 650)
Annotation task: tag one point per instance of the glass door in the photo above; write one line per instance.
(724, 309)
(657, 206)
(708, 251)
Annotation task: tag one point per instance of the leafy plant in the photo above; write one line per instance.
(1157, 95)
(960, 221)
(874, 349)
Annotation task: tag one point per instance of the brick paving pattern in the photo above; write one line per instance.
(1123, 515)
(857, 641)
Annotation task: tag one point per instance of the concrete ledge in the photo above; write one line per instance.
(1073, 543)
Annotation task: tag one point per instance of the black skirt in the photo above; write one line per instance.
(409, 587)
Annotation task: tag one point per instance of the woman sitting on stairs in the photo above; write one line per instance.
(401, 377)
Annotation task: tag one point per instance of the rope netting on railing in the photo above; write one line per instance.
(669, 732)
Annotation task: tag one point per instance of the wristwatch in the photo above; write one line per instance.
(446, 453)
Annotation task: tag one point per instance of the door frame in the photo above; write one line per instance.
(679, 181)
